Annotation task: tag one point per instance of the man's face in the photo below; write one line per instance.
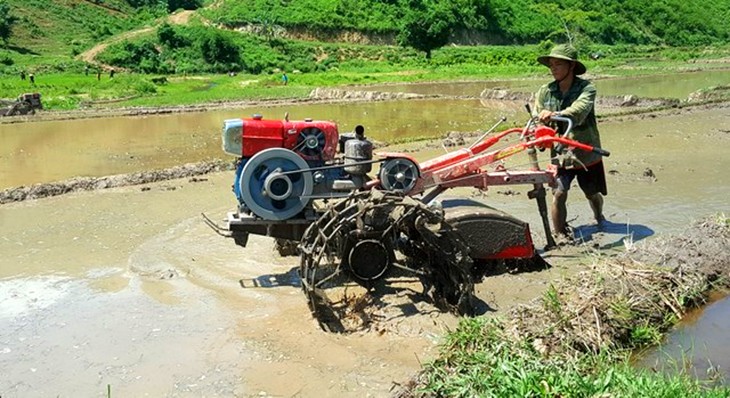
(560, 68)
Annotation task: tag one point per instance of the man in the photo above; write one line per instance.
(570, 96)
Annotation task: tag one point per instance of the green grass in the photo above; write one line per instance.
(64, 86)
(479, 359)
(48, 28)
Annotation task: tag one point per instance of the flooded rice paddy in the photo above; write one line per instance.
(126, 290)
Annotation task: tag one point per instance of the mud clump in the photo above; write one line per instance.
(337, 94)
(38, 191)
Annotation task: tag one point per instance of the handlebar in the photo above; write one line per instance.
(564, 119)
(566, 142)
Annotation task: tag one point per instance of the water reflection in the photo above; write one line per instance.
(701, 348)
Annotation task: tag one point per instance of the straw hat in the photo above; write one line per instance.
(566, 52)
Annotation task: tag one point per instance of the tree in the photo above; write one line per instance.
(169, 38)
(572, 21)
(173, 5)
(427, 25)
(7, 20)
(216, 48)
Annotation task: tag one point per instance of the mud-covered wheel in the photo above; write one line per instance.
(371, 237)
(22, 108)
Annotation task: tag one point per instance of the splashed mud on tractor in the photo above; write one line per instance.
(303, 181)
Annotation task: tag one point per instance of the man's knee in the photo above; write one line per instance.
(594, 196)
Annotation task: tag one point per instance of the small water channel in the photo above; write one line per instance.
(700, 346)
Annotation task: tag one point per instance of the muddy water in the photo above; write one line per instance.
(127, 288)
(654, 86)
(699, 347)
(465, 88)
(51, 151)
(57, 150)
(683, 84)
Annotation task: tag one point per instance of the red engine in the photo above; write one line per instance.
(312, 140)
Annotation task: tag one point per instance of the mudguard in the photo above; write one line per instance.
(490, 233)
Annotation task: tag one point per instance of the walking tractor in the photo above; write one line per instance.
(364, 219)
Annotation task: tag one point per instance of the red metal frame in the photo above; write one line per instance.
(463, 167)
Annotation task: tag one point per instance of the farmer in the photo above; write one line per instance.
(285, 79)
(570, 96)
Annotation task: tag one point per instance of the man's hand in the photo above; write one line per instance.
(545, 115)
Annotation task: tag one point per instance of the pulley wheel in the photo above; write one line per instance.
(398, 175)
(311, 142)
(369, 259)
(269, 193)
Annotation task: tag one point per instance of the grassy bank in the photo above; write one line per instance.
(576, 340)
(74, 89)
(480, 360)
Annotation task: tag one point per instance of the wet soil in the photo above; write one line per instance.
(126, 288)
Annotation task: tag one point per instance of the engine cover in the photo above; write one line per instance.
(312, 140)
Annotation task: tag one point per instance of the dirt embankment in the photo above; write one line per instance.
(38, 191)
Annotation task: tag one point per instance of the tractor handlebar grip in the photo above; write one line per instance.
(601, 152)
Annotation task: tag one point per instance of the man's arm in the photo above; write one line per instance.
(543, 114)
(582, 106)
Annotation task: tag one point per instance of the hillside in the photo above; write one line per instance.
(263, 36)
(62, 28)
(665, 22)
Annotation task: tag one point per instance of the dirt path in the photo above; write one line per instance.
(89, 56)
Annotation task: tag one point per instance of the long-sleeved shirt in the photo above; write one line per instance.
(577, 104)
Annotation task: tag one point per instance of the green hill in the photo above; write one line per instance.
(665, 22)
(309, 35)
(62, 28)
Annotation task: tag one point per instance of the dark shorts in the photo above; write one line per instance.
(591, 181)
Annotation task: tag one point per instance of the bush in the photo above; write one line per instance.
(6, 59)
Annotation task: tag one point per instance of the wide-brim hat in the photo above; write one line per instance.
(566, 52)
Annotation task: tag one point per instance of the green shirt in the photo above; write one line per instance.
(577, 104)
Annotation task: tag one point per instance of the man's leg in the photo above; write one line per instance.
(559, 212)
(596, 201)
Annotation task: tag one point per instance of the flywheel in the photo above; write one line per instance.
(275, 185)
(398, 175)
